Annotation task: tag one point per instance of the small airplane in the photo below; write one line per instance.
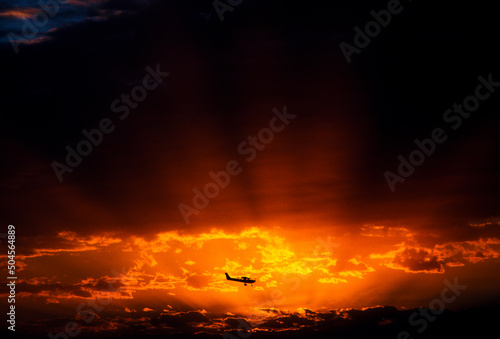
(244, 280)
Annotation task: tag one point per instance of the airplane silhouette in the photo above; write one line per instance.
(244, 280)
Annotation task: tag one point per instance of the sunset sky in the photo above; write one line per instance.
(122, 243)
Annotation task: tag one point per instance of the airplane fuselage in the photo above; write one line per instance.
(244, 280)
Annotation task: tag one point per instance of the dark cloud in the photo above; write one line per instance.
(81, 293)
(41, 17)
(184, 321)
(41, 287)
(105, 284)
(287, 322)
(418, 260)
(377, 322)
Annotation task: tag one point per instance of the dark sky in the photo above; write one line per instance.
(263, 55)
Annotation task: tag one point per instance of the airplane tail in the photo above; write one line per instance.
(227, 276)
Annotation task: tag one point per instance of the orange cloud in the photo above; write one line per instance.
(71, 242)
(416, 259)
(181, 269)
(20, 13)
